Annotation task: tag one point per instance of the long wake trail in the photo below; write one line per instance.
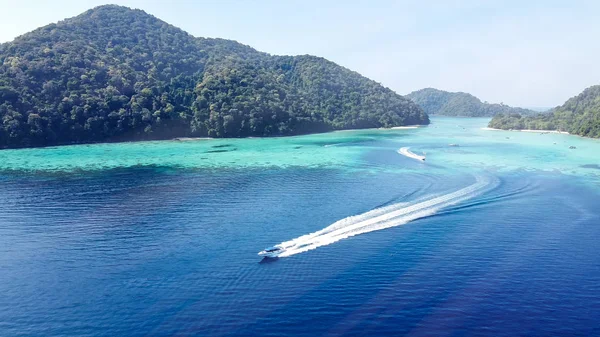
(407, 153)
(383, 217)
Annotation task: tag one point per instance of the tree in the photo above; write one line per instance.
(114, 74)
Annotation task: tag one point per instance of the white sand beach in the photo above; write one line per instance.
(538, 131)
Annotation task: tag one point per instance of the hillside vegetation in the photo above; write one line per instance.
(114, 74)
(579, 115)
(459, 104)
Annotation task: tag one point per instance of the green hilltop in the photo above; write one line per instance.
(117, 74)
(459, 104)
(579, 115)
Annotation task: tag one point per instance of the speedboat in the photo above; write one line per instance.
(272, 251)
(405, 152)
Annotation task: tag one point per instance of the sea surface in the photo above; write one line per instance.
(496, 235)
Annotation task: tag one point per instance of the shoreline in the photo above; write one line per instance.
(192, 139)
(404, 127)
(528, 130)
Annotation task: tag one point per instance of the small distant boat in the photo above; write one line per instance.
(572, 147)
(405, 152)
(453, 145)
(271, 252)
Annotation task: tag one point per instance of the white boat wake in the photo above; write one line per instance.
(381, 218)
(406, 152)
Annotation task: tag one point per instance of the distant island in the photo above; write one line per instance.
(459, 104)
(117, 74)
(579, 115)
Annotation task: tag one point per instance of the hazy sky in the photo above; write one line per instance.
(523, 53)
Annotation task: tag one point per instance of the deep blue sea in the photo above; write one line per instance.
(497, 236)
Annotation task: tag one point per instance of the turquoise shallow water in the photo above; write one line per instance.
(497, 236)
(478, 149)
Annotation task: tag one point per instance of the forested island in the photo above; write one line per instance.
(459, 104)
(579, 115)
(117, 74)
